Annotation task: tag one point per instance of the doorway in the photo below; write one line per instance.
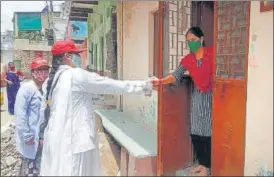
(226, 28)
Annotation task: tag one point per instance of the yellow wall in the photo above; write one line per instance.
(259, 112)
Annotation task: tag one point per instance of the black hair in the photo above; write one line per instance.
(11, 62)
(56, 62)
(197, 31)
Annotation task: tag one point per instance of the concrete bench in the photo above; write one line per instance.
(138, 144)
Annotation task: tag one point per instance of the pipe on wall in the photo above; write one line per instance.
(121, 64)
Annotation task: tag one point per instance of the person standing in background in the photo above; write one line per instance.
(13, 79)
(27, 115)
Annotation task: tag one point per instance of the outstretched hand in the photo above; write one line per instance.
(155, 81)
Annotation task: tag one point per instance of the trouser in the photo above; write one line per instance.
(202, 149)
(31, 167)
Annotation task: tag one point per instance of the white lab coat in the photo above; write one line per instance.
(70, 138)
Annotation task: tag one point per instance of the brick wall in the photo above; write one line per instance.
(26, 57)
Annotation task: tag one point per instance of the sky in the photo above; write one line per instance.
(9, 7)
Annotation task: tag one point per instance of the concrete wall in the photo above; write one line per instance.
(23, 59)
(259, 115)
(134, 55)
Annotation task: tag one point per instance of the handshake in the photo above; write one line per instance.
(153, 81)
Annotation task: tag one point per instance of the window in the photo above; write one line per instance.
(17, 64)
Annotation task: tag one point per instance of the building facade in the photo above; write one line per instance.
(247, 122)
(7, 47)
(135, 40)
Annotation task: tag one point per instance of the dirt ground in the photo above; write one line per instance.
(110, 154)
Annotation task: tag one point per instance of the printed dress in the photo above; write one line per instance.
(201, 106)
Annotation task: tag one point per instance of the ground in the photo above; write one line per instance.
(5, 117)
(109, 149)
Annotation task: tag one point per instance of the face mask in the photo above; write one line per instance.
(194, 46)
(40, 75)
(76, 61)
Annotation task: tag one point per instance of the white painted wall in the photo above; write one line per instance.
(259, 115)
(136, 56)
(6, 56)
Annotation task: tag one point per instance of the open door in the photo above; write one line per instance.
(202, 15)
(231, 35)
(174, 145)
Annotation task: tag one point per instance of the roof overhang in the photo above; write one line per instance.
(79, 10)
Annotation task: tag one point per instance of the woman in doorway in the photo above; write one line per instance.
(13, 79)
(198, 66)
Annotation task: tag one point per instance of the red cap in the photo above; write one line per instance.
(38, 62)
(62, 47)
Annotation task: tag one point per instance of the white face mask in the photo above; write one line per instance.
(77, 60)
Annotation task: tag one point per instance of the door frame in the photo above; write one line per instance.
(160, 71)
(160, 87)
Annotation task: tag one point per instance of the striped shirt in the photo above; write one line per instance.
(201, 106)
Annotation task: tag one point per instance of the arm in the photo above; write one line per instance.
(96, 84)
(21, 107)
(176, 76)
(20, 75)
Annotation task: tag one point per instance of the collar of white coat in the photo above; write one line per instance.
(61, 67)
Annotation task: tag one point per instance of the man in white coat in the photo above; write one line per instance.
(68, 128)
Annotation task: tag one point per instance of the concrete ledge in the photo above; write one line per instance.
(131, 134)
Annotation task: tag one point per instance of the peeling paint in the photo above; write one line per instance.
(252, 60)
(265, 172)
(149, 115)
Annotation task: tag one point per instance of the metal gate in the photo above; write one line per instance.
(174, 145)
(177, 20)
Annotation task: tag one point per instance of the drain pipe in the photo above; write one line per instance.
(122, 51)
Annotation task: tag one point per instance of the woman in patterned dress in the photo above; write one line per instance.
(198, 66)
(13, 79)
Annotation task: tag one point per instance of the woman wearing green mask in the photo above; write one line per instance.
(198, 66)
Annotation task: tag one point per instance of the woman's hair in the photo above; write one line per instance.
(10, 63)
(197, 31)
(56, 62)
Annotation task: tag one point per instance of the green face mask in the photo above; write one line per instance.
(194, 45)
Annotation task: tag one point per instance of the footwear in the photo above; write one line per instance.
(195, 169)
(203, 172)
